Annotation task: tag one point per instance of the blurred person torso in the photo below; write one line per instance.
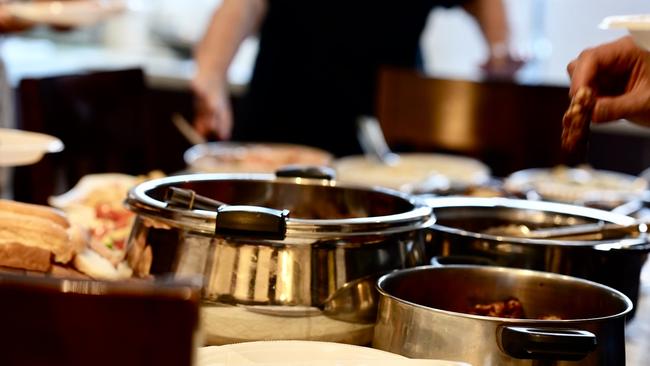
(317, 66)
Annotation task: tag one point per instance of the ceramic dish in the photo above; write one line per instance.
(414, 172)
(304, 353)
(71, 13)
(23, 148)
(234, 157)
(578, 185)
(638, 26)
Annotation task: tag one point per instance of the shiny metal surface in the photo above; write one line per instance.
(422, 313)
(461, 222)
(335, 237)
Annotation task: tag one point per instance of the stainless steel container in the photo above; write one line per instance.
(462, 222)
(270, 273)
(423, 313)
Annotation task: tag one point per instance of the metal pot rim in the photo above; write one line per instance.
(419, 217)
(561, 208)
(507, 321)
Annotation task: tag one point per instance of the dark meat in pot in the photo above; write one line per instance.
(510, 308)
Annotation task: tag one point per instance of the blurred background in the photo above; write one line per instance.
(512, 125)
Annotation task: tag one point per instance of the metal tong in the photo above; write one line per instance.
(190, 200)
(595, 231)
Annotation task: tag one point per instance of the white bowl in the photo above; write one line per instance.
(303, 353)
(70, 13)
(19, 147)
(637, 25)
(414, 172)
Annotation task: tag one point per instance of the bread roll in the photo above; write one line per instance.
(35, 231)
(29, 209)
(16, 255)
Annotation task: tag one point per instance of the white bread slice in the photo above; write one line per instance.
(45, 212)
(35, 231)
(21, 256)
(60, 271)
(94, 265)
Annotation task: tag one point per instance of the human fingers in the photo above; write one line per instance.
(222, 123)
(614, 58)
(202, 123)
(582, 71)
(622, 106)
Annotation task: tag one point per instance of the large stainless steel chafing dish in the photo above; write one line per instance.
(277, 256)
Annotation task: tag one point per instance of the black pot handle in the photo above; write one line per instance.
(563, 344)
(251, 222)
(306, 171)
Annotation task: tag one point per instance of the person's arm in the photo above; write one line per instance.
(492, 20)
(619, 74)
(233, 21)
(10, 24)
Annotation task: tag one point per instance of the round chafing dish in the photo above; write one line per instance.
(425, 312)
(464, 225)
(276, 257)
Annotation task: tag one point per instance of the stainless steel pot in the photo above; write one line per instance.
(423, 313)
(462, 222)
(277, 257)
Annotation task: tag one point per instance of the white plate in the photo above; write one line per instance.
(19, 147)
(114, 185)
(301, 353)
(578, 185)
(414, 172)
(71, 13)
(638, 25)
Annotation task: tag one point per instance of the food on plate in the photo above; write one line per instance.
(583, 185)
(575, 123)
(256, 158)
(32, 237)
(96, 207)
(414, 172)
(510, 308)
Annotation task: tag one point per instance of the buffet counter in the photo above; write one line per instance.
(637, 332)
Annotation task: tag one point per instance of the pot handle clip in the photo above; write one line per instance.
(233, 220)
(546, 343)
(251, 222)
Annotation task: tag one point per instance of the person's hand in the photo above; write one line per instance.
(502, 68)
(619, 74)
(212, 107)
(8, 23)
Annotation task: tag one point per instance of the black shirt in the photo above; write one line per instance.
(317, 67)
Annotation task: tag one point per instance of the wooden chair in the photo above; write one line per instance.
(506, 125)
(107, 121)
(55, 322)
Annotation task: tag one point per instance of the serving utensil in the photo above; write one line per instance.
(592, 231)
(372, 140)
(186, 129)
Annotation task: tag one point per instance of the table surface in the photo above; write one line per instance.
(637, 332)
